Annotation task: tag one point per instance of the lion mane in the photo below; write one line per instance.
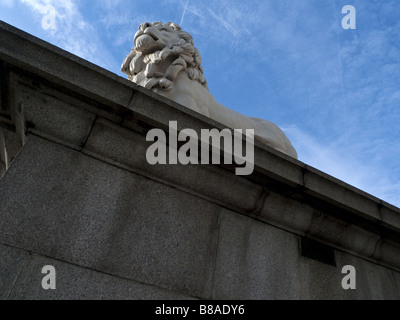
(142, 68)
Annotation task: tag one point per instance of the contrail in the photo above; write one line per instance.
(184, 11)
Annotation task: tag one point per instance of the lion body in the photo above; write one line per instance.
(165, 61)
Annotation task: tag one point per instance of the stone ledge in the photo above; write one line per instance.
(56, 118)
(59, 66)
(342, 194)
(390, 215)
(119, 145)
(302, 219)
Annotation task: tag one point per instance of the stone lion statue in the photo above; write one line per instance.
(165, 61)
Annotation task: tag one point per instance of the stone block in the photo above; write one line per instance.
(217, 184)
(396, 276)
(62, 67)
(287, 213)
(343, 234)
(388, 252)
(278, 166)
(301, 218)
(258, 261)
(3, 154)
(13, 143)
(54, 118)
(255, 260)
(335, 191)
(319, 281)
(76, 283)
(373, 282)
(390, 215)
(60, 203)
(12, 261)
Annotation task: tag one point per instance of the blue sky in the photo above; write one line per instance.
(335, 92)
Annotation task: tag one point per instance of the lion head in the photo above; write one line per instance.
(161, 51)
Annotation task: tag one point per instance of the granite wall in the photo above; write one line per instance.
(77, 193)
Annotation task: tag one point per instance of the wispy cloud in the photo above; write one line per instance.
(70, 30)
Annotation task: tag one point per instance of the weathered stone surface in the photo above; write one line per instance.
(320, 281)
(55, 118)
(343, 234)
(340, 193)
(12, 143)
(390, 215)
(255, 261)
(388, 252)
(373, 282)
(77, 283)
(302, 219)
(107, 214)
(12, 261)
(396, 276)
(62, 67)
(4, 162)
(60, 203)
(287, 213)
(278, 166)
(129, 148)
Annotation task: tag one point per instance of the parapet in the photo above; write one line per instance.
(77, 192)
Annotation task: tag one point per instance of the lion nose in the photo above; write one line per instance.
(144, 26)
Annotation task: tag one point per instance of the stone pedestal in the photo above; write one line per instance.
(77, 193)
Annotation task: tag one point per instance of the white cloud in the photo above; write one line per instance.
(70, 31)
